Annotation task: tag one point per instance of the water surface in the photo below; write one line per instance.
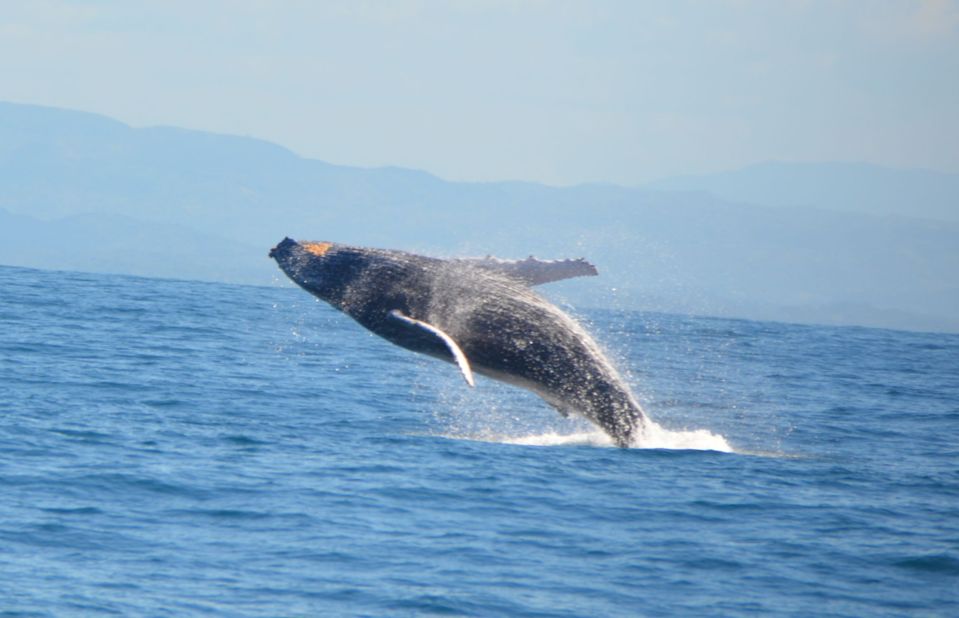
(177, 448)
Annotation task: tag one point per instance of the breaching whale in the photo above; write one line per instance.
(480, 314)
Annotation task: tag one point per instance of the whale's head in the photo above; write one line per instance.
(311, 265)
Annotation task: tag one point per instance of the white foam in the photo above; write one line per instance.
(482, 416)
(656, 436)
(594, 438)
(653, 437)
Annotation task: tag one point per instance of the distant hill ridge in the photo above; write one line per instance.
(848, 187)
(81, 191)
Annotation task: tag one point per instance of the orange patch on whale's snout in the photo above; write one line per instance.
(318, 249)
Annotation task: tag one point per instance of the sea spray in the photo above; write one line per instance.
(495, 413)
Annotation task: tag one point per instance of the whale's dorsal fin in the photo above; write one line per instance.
(533, 271)
(454, 349)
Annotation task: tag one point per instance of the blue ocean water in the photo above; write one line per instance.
(177, 448)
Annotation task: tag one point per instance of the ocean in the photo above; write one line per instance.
(172, 448)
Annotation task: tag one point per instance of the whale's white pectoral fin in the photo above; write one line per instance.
(454, 349)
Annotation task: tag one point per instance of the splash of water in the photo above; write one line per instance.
(654, 437)
(493, 424)
(501, 414)
(657, 436)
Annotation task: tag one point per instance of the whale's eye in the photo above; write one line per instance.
(317, 248)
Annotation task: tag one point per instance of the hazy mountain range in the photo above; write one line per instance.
(846, 187)
(826, 243)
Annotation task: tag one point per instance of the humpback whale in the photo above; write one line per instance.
(480, 314)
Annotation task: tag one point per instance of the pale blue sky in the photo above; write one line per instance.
(558, 92)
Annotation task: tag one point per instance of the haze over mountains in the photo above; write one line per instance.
(825, 243)
(846, 187)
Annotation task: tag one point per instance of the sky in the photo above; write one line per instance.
(557, 92)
